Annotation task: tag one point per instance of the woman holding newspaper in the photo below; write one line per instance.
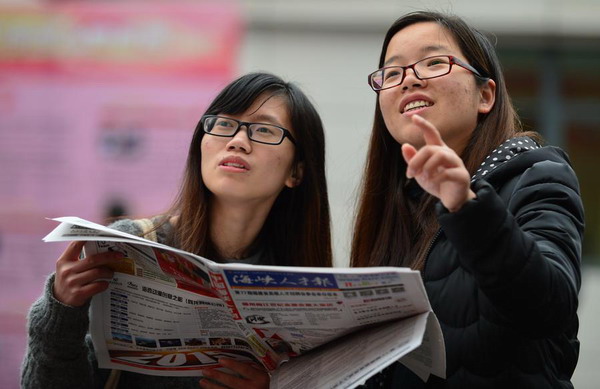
(494, 221)
(254, 191)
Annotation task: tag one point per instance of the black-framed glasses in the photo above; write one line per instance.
(430, 67)
(268, 134)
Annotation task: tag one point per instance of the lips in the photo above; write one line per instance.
(235, 163)
(414, 103)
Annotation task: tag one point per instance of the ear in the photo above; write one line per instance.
(487, 96)
(296, 175)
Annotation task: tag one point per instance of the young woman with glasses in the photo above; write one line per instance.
(454, 188)
(253, 191)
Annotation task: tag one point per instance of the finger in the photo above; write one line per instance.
(92, 289)
(71, 278)
(430, 133)
(222, 380)
(89, 276)
(208, 383)
(246, 369)
(97, 260)
(408, 152)
(439, 161)
(457, 174)
(415, 165)
(98, 266)
(455, 194)
(71, 253)
(73, 287)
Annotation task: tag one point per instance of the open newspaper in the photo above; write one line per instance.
(172, 313)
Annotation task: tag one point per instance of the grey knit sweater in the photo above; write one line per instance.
(60, 353)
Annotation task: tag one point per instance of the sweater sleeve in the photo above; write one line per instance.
(525, 255)
(127, 225)
(57, 354)
(164, 231)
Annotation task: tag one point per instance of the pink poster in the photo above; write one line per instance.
(98, 102)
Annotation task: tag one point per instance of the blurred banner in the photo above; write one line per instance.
(98, 103)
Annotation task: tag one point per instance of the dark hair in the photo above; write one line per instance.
(297, 228)
(388, 230)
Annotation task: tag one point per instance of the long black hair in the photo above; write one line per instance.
(297, 229)
(389, 231)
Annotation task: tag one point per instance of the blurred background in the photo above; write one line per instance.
(99, 99)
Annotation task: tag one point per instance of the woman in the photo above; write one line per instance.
(494, 222)
(254, 191)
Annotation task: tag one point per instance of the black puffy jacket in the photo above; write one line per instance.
(503, 276)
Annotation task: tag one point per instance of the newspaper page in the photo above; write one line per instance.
(351, 360)
(298, 309)
(168, 312)
(166, 323)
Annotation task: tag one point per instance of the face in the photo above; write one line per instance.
(451, 102)
(244, 171)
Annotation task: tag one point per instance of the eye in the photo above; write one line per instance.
(391, 73)
(224, 123)
(437, 61)
(263, 130)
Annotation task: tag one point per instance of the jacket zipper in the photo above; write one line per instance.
(437, 234)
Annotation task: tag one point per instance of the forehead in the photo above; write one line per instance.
(269, 108)
(421, 40)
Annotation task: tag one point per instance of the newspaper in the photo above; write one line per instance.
(172, 313)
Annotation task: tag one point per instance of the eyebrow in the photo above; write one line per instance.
(423, 50)
(265, 118)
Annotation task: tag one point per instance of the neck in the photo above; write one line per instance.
(234, 226)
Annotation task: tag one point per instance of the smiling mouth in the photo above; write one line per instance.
(413, 105)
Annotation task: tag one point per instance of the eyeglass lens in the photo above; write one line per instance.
(265, 133)
(424, 69)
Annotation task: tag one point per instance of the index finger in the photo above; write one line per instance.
(72, 251)
(430, 133)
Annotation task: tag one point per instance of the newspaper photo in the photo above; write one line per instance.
(172, 313)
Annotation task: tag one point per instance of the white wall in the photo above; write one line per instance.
(332, 69)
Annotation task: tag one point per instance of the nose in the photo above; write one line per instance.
(410, 79)
(240, 141)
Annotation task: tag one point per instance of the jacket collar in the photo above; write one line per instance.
(504, 153)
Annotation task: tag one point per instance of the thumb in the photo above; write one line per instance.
(408, 152)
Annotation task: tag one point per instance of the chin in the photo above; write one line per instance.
(415, 140)
(398, 136)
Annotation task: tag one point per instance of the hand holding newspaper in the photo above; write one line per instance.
(172, 313)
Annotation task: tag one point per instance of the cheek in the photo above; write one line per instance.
(386, 105)
(385, 102)
(282, 164)
(208, 147)
(463, 98)
(207, 150)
